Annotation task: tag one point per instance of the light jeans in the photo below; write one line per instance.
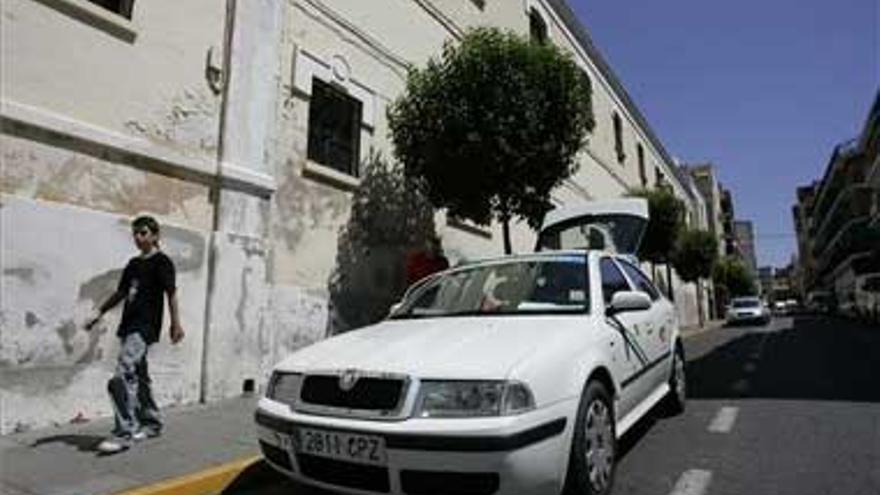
(130, 390)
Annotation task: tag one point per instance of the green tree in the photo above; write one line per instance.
(390, 214)
(666, 220)
(734, 277)
(696, 254)
(493, 126)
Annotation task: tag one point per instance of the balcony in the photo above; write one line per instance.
(848, 166)
(856, 237)
(853, 203)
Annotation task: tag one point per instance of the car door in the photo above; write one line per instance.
(634, 385)
(659, 328)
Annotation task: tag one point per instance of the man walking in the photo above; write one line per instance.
(146, 278)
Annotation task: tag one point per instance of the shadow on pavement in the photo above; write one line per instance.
(83, 443)
(815, 358)
(260, 478)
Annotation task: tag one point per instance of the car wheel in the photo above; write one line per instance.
(677, 396)
(594, 444)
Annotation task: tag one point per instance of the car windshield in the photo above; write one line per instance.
(555, 285)
(746, 303)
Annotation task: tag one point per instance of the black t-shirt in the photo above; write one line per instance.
(144, 283)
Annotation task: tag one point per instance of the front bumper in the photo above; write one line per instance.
(516, 455)
(746, 317)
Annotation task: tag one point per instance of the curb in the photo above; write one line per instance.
(210, 481)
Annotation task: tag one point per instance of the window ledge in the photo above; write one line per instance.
(96, 16)
(328, 175)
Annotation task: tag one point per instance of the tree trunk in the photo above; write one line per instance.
(700, 313)
(669, 282)
(505, 224)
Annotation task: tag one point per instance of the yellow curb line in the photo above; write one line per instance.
(211, 481)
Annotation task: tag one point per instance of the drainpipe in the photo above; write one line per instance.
(215, 193)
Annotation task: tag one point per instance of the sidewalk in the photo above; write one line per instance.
(62, 461)
(696, 329)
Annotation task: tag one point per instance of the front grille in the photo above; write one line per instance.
(277, 456)
(347, 474)
(444, 483)
(368, 393)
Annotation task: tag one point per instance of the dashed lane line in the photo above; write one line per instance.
(724, 420)
(692, 482)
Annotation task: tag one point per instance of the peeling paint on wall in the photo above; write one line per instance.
(33, 169)
(187, 123)
(50, 367)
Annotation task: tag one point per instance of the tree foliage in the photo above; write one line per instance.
(493, 126)
(390, 215)
(732, 275)
(666, 220)
(695, 255)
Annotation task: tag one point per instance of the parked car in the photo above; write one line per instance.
(508, 376)
(821, 302)
(867, 296)
(780, 307)
(747, 310)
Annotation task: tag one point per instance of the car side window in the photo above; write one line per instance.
(613, 280)
(641, 281)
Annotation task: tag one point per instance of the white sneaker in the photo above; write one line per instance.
(138, 436)
(112, 446)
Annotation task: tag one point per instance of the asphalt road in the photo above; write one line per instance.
(790, 408)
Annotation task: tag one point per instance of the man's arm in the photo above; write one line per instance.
(109, 304)
(176, 330)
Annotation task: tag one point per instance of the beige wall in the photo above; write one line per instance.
(106, 118)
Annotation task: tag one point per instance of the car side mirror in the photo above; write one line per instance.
(626, 301)
(395, 308)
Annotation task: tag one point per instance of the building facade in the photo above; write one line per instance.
(838, 217)
(710, 188)
(242, 126)
(744, 231)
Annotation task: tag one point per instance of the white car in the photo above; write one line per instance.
(747, 310)
(509, 376)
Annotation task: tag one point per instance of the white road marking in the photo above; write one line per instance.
(724, 420)
(692, 482)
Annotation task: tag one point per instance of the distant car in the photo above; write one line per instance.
(867, 297)
(513, 376)
(747, 310)
(821, 302)
(780, 307)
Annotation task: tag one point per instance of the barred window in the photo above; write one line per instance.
(121, 7)
(334, 128)
(618, 138)
(537, 27)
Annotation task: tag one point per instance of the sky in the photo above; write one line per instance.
(764, 89)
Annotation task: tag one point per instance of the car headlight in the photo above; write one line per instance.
(284, 387)
(465, 398)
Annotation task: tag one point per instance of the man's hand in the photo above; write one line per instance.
(176, 333)
(92, 321)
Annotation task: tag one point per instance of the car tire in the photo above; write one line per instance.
(593, 456)
(676, 399)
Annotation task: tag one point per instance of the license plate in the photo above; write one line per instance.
(351, 447)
